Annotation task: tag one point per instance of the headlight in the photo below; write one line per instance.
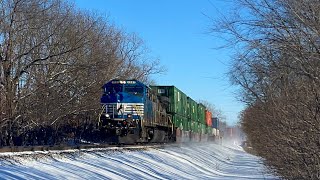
(107, 115)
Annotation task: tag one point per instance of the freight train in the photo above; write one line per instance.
(133, 112)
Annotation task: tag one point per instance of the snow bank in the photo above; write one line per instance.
(192, 161)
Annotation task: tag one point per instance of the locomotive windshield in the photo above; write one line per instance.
(135, 90)
(113, 89)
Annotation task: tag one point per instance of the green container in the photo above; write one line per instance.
(192, 108)
(209, 130)
(193, 129)
(177, 121)
(203, 128)
(177, 104)
(186, 124)
(181, 122)
(201, 113)
(189, 125)
(178, 100)
(196, 127)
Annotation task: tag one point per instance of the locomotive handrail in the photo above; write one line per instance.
(103, 107)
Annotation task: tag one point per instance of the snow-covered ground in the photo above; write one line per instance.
(187, 161)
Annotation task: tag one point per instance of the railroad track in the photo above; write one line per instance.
(82, 147)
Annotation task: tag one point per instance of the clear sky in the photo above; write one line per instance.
(176, 32)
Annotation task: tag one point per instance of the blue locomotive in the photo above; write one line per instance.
(133, 113)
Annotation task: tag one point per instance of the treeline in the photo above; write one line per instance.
(54, 60)
(277, 66)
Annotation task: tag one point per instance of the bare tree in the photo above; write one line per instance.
(277, 67)
(28, 30)
(54, 60)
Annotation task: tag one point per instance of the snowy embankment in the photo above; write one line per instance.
(193, 161)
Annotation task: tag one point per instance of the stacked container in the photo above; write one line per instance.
(178, 105)
(192, 110)
(203, 128)
(209, 130)
(208, 118)
(201, 113)
(193, 115)
(187, 114)
(215, 123)
(194, 127)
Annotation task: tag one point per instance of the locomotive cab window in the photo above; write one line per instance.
(135, 90)
(113, 89)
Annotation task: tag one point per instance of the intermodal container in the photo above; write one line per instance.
(178, 100)
(215, 123)
(218, 132)
(189, 125)
(178, 121)
(201, 113)
(177, 103)
(203, 128)
(208, 118)
(196, 128)
(209, 130)
(192, 108)
(185, 124)
(214, 131)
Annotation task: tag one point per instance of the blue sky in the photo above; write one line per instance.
(176, 32)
